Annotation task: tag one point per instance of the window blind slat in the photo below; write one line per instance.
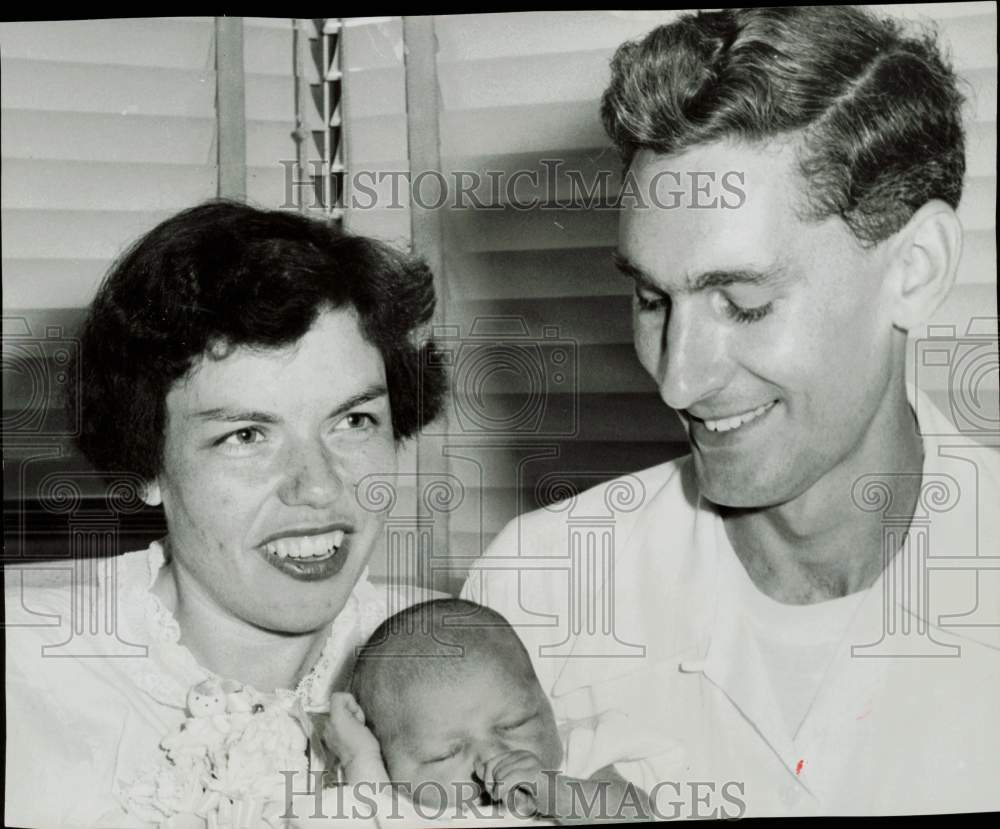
(31, 281)
(535, 229)
(487, 36)
(84, 185)
(979, 258)
(981, 149)
(375, 92)
(159, 42)
(107, 88)
(68, 234)
(77, 136)
(550, 274)
(592, 319)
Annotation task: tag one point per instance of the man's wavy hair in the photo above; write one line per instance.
(223, 275)
(877, 110)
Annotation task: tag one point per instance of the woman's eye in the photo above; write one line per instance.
(356, 420)
(243, 437)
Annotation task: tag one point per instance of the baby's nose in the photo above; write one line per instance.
(486, 750)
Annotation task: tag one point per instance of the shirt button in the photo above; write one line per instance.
(791, 795)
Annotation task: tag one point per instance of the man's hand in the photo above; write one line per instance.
(348, 739)
(518, 781)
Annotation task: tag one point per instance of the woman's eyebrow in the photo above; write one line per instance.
(373, 392)
(224, 414)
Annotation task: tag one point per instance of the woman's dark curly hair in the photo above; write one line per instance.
(878, 111)
(225, 274)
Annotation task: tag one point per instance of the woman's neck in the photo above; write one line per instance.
(231, 647)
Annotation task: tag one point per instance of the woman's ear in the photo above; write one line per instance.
(924, 258)
(151, 494)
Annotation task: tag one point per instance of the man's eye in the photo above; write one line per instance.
(651, 303)
(356, 420)
(747, 315)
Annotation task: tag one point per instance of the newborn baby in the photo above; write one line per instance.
(445, 704)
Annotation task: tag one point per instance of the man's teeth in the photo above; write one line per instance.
(307, 546)
(728, 423)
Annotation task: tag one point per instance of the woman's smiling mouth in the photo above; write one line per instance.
(307, 556)
(306, 546)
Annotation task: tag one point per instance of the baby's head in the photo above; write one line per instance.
(445, 686)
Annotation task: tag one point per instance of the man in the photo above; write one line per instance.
(771, 610)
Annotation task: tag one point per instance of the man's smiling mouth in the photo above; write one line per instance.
(727, 424)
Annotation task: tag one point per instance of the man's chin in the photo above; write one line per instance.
(728, 488)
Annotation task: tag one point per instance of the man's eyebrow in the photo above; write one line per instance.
(227, 415)
(628, 268)
(737, 276)
(706, 280)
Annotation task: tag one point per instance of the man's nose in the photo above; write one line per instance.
(312, 477)
(693, 358)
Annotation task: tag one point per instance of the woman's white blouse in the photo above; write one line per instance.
(96, 676)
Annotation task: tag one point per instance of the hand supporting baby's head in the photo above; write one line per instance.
(449, 692)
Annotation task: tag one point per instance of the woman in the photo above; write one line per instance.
(251, 368)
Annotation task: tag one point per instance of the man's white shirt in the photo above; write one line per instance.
(634, 606)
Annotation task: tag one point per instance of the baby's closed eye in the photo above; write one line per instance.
(519, 723)
(442, 756)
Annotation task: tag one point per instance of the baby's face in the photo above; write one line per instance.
(442, 731)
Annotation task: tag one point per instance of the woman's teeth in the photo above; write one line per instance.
(726, 424)
(307, 546)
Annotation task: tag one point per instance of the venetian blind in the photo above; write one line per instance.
(108, 127)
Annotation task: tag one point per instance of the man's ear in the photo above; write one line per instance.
(151, 494)
(924, 262)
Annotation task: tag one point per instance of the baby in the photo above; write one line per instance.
(445, 703)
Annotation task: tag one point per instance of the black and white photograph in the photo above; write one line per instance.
(512, 418)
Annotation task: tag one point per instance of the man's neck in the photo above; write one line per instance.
(230, 647)
(820, 545)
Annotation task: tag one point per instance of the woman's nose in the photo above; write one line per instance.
(311, 477)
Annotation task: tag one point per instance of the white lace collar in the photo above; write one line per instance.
(171, 669)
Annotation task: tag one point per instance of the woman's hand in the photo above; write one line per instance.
(353, 744)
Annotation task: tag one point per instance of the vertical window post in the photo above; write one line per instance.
(427, 226)
(230, 108)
